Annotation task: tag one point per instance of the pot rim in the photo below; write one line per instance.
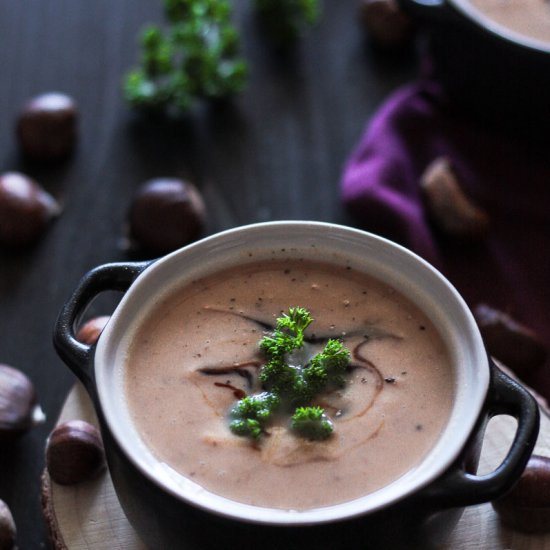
(466, 8)
(471, 379)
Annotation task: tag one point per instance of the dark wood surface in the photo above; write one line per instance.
(276, 152)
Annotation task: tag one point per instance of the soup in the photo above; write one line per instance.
(196, 353)
(530, 18)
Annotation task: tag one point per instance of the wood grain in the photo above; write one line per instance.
(89, 517)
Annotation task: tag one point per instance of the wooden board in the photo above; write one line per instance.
(88, 516)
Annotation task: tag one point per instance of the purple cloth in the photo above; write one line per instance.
(510, 179)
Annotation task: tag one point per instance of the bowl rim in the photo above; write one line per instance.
(478, 17)
(443, 455)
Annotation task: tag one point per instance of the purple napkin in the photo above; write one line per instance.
(510, 268)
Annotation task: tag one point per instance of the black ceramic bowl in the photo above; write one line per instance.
(499, 75)
(169, 511)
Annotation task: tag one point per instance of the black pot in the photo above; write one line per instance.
(499, 76)
(416, 510)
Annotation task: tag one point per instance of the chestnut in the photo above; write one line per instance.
(387, 26)
(19, 409)
(450, 209)
(166, 214)
(527, 506)
(47, 127)
(512, 343)
(74, 452)
(89, 332)
(7, 528)
(25, 210)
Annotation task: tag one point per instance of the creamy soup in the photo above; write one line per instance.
(196, 353)
(530, 18)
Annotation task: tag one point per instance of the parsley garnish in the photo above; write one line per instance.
(311, 423)
(291, 386)
(194, 57)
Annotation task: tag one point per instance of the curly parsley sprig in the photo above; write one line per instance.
(289, 333)
(292, 385)
(194, 57)
(251, 414)
(311, 423)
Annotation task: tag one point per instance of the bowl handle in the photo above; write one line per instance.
(459, 488)
(79, 356)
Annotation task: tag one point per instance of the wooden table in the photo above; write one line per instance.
(277, 153)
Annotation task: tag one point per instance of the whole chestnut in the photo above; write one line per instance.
(74, 452)
(7, 528)
(19, 409)
(25, 210)
(511, 342)
(527, 506)
(166, 214)
(387, 26)
(47, 127)
(448, 206)
(89, 332)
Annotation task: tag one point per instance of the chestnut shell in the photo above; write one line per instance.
(7, 528)
(25, 210)
(387, 26)
(74, 452)
(448, 206)
(527, 506)
(511, 342)
(166, 214)
(47, 127)
(90, 331)
(18, 403)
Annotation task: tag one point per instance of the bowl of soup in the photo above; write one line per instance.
(184, 348)
(493, 58)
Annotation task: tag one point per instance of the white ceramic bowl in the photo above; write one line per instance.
(101, 369)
